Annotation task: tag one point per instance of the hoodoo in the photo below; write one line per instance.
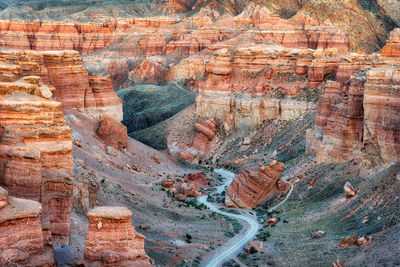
(112, 241)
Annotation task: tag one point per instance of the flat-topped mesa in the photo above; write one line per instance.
(112, 241)
(251, 187)
(21, 235)
(53, 35)
(65, 78)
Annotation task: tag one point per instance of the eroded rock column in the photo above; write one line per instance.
(112, 241)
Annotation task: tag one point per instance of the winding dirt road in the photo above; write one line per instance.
(230, 249)
(236, 244)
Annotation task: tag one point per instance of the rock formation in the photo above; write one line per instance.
(21, 237)
(113, 133)
(381, 97)
(206, 133)
(356, 113)
(76, 89)
(250, 187)
(52, 35)
(112, 241)
(35, 146)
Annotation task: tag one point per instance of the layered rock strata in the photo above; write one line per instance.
(21, 235)
(356, 116)
(53, 35)
(69, 81)
(259, 83)
(206, 133)
(36, 150)
(250, 187)
(381, 142)
(112, 241)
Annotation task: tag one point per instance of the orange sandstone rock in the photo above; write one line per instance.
(113, 133)
(21, 235)
(112, 241)
(250, 187)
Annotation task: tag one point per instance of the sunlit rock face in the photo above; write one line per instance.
(356, 113)
(112, 241)
(381, 106)
(250, 187)
(259, 76)
(52, 35)
(21, 237)
(35, 145)
(70, 83)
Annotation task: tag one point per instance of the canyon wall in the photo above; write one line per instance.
(82, 37)
(356, 116)
(73, 86)
(35, 145)
(265, 73)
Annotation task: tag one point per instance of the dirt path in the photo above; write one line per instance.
(236, 244)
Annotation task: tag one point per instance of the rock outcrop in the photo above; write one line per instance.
(356, 116)
(36, 147)
(206, 133)
(53, 35)
(21, 237)
(250, 187)
(66, 79)
(112, 241)
(381, 142)
(113, 133)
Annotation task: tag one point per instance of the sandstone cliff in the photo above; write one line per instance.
(68, 80)
(36, 148)
(356, 113)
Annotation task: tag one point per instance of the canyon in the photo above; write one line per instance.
(199, 133)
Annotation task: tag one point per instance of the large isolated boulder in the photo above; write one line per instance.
(113, 133)
(249, 188)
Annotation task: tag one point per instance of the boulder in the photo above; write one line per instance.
(249, 188)
(113, 133)
(197, 178)
(167, 183)
(256, 245)
(349, 190)
(111, 151)
(317, 234)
